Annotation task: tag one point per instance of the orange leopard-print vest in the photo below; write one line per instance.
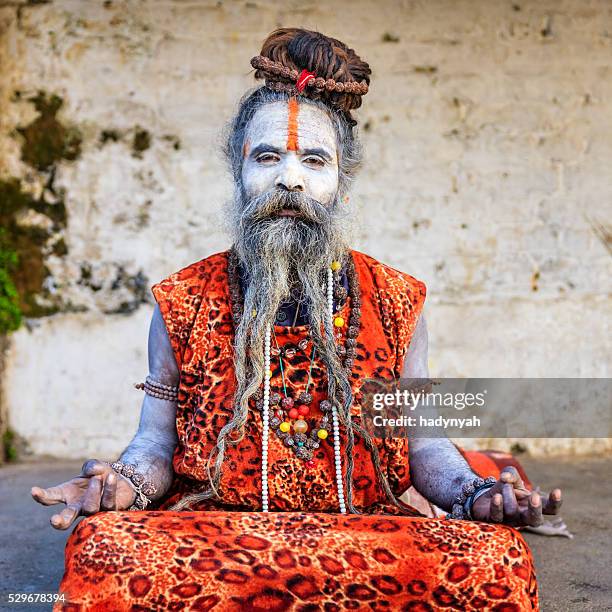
(195, 305)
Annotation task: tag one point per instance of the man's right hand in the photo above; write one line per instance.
(97, 488)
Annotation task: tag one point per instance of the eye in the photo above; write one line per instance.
(314, 161)
(267, 158)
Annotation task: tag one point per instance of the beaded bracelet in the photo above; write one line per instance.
(144, 488)
(157, 389)
(470, 491)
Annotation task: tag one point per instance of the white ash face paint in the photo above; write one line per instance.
(272, 157)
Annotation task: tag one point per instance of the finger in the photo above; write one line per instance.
(510, 475)
(511, 508)
(496, 488)
(532, 516)
(66, 517)
(48, 497)
(93, 467)
(522, 494)
(109, 495)
(553, 502)
(91, 499)
(497, 508)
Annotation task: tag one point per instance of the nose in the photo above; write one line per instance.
(290, 175)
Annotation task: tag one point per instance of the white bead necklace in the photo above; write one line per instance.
(265, 414)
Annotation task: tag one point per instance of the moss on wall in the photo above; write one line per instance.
(24, 250)
(10, 312)
(141, 141)
(46, 140)
(9, 450)
(23, 247)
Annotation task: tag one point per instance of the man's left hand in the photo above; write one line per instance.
(511, 503)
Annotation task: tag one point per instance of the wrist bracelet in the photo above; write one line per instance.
(470, 491)
(144, 488)
(159, 390)
(469, 503)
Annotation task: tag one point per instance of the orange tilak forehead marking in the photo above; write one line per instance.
(292, 125)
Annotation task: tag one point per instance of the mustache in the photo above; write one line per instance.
(272, 202)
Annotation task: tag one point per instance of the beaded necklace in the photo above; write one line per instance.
(303, 445)
(297, 410)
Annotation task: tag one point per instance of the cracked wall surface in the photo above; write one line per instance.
(487, 135)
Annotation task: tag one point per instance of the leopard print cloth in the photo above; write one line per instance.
(226, 555)
(195, 305)
(231, 561)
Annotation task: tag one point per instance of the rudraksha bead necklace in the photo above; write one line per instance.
(346, 354)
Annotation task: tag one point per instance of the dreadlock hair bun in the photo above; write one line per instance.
(341, 76)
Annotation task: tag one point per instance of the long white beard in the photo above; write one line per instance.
(277, 253)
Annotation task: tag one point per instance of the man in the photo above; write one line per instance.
(256, 356)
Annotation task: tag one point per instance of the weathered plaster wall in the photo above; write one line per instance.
(487, 134)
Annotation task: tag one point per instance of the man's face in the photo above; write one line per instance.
(292, 146)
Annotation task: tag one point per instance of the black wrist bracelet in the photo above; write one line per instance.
(462, 507)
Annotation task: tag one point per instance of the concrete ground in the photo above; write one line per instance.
(573, 574)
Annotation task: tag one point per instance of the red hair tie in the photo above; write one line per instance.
(303, 79)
